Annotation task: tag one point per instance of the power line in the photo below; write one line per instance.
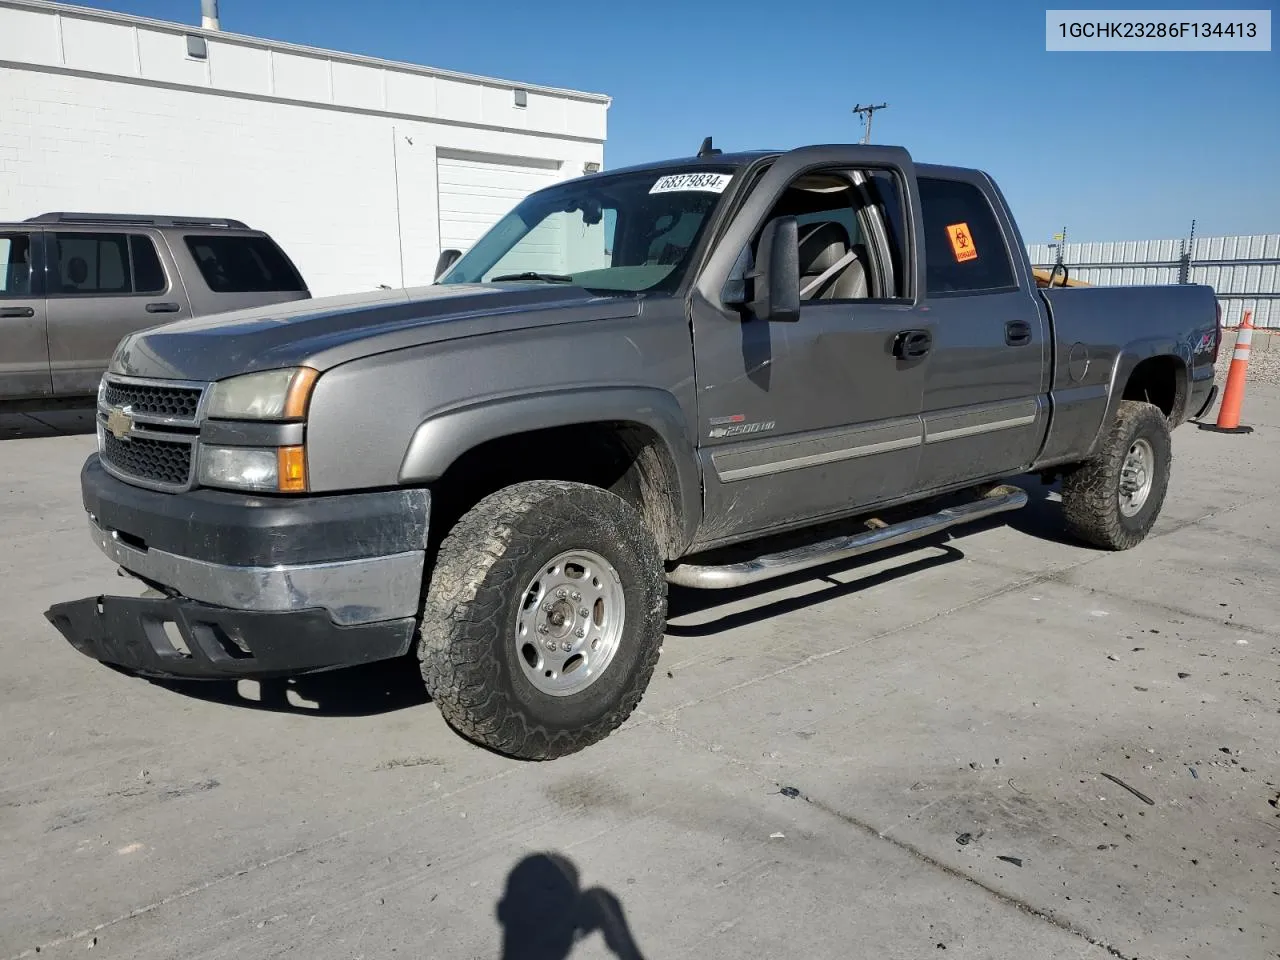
(866, 113)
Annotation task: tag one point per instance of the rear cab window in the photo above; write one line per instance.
(965, 249)
(243, 264)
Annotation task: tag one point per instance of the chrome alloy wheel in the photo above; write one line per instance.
(570, 623)
(1137, 475)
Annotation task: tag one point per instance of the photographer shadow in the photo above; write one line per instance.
(544, 913)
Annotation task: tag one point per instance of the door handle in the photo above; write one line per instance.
(912, 344)
(163, 308)
(17, 311)
(1017, 333)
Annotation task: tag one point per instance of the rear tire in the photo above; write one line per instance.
(544, 619)
(1113, 499)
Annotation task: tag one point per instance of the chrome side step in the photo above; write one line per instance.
(997, 500)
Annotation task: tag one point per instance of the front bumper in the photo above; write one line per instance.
(217, 643)
(253, 585)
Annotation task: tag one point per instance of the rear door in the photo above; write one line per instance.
(102, 286)
(985, 388)
(24, 347)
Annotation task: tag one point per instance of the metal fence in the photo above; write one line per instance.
(1244, 271)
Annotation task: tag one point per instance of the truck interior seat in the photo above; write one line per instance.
(830, 267)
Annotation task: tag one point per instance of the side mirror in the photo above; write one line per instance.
(446, 260)
(776, 278)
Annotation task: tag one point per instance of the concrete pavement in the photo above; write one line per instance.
(932, 712)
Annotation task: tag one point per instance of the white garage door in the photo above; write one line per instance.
(477, 190)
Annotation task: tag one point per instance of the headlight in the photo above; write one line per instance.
(271, 395)
(271, 469)
(102, 389)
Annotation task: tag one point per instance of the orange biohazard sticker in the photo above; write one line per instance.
(962, 242)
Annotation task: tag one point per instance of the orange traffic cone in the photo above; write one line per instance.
(1233, 392)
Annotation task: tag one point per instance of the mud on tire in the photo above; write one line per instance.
(1093, 491)
(471, 649)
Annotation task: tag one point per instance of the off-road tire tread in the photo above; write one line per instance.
(1089, 491)
(477, 567)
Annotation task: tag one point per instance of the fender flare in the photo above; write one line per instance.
(1126, 362)
(444, 436)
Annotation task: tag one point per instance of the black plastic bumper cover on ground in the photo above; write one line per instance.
(129, 632)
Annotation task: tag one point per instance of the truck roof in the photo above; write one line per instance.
(743, 158)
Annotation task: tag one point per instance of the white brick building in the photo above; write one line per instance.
(362, 169)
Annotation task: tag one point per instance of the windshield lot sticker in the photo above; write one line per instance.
(710, 182)
(962, 242)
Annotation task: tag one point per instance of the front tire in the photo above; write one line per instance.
(1114, 499)
(544, 619)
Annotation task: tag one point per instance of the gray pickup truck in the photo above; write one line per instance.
(674, 373)
(72, 285)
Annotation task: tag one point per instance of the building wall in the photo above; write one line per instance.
(335, 156)
(1244, 271)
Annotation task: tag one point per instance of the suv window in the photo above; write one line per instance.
(239, 264)
(964, 247)
(89, 264)
(148, 275)
(96, 264)
(15, 265)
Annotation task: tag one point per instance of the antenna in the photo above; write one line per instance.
(707, 150)
(867, 112)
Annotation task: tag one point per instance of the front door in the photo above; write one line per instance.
(101, 287)
(817, 418)
(985, 398)
(24, 347)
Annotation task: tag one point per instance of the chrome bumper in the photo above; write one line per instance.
(352, 591)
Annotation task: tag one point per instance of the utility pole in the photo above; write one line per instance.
(866, 113)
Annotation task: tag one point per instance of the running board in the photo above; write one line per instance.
(997, 500)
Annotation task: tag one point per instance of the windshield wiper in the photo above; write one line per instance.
(531, 275)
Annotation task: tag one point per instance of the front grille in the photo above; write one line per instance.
(165, 462)
(154, 400)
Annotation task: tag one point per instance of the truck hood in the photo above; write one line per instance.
(325, 332)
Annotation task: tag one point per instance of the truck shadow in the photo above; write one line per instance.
(1040, 518)
(369, 690)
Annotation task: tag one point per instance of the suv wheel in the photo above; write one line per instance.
(1113, 500)
(544, 618)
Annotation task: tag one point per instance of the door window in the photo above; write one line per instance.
(15, 265)
(838, 259)
(104, 264)
(148, 274)
(964, 247)
(89, 264)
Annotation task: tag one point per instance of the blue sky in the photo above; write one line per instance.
(1112, 145)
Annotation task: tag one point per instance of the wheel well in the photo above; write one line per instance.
(1160, 381)
(626, 458)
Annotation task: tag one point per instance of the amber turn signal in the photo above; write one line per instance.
(292, 464)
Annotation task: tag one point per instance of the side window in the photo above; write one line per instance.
(15, 265)
(89, 264)
(841, 257)
(964, 247)
(241, 264)
(148, 275)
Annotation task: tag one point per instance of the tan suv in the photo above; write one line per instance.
(72, 285)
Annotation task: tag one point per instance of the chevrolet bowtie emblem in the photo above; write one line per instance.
(120, 422)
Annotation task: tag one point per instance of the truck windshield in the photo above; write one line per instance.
(626, 233)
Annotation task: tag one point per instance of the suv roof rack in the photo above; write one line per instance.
(142, 220)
